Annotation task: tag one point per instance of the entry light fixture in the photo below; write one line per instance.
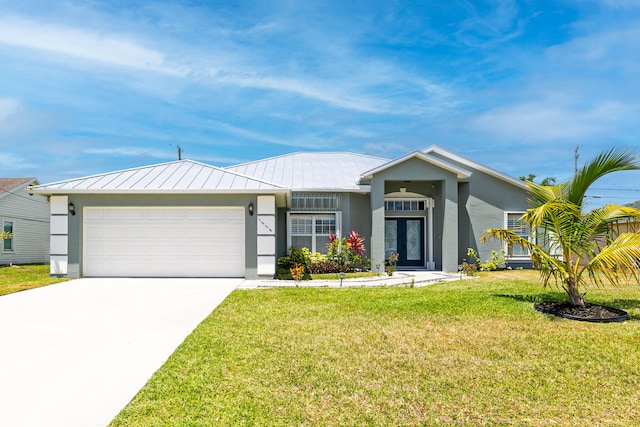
(72, 209)
(251, 209)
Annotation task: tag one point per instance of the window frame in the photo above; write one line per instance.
(316, 215)
(530, 238)
(12, 239)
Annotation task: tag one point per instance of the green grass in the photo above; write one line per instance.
(470, 353)
(22, 277)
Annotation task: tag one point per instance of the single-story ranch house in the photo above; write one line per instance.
(26, 219)
(189, 219)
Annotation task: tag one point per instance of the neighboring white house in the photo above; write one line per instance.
(26, 217)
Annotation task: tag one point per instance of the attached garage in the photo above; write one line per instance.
(176, 219)
(164, 242)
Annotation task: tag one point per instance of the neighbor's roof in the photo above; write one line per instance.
(312, 171)
(173, 177)
(8, 184)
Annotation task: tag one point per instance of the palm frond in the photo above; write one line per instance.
(506, 236)
(613, 160)
(601, 220)
(617, 261)
(541, 194)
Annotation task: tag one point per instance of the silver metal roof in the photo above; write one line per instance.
(297, 172)
(179, 176)
(312, 171)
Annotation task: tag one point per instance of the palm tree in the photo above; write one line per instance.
(573, 246)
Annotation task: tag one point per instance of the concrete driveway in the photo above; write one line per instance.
(75, 353)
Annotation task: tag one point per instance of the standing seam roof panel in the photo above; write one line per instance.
(137, 178)
(186, 182)
(178, 174)
(122, 178)
(160, 179)
(214, 179)
(201, 179)
(150, 176)
(89, 183)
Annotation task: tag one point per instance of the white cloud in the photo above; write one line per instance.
(338, 98)
(11, 164)
(607, 49)
(501, 24)
(9, 107)
(85, 44)
(618, 4)
(128, 151)
(385, 149)
(549, 121)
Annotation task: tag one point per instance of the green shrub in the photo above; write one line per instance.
(328, 267)
(301, 257)
(492, 264)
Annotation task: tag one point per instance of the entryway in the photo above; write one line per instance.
(408, 229)
(405, 236)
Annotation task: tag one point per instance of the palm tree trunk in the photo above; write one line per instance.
(572, 291)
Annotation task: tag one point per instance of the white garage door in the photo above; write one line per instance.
(163, 242)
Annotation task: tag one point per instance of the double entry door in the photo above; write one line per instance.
(405, 236)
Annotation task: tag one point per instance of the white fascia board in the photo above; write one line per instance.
(470, 163)
(63, 191)
(460, 173)
(354, 189)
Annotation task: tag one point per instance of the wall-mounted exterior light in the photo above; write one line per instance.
(251, 209)
(72, 209)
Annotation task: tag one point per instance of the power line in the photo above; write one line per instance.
(615, 189)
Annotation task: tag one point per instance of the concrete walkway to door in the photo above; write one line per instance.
(75, 353)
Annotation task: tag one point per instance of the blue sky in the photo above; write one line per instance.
(95, 86)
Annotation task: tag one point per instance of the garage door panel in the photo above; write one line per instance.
(94, 232)
(235, 215)
(138, 214)
(112, 214)
(164, 242)
(93, 214)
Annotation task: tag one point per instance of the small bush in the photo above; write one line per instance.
(299, 257)
(328, 267)
(496, 261)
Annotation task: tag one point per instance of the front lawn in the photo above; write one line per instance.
(17, 278)
(472, 352)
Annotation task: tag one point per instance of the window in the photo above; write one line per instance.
(519, 227)
(404, 205)
(7, 244)
(311, 231)
(315, 202)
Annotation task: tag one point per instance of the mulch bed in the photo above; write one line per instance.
(588, 313)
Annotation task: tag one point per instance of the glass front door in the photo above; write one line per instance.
(405, 236)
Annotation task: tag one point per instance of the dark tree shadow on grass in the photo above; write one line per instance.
(622, 304)
(533, 298)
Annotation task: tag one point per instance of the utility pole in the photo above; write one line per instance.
(179, 153)
(575, 160)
